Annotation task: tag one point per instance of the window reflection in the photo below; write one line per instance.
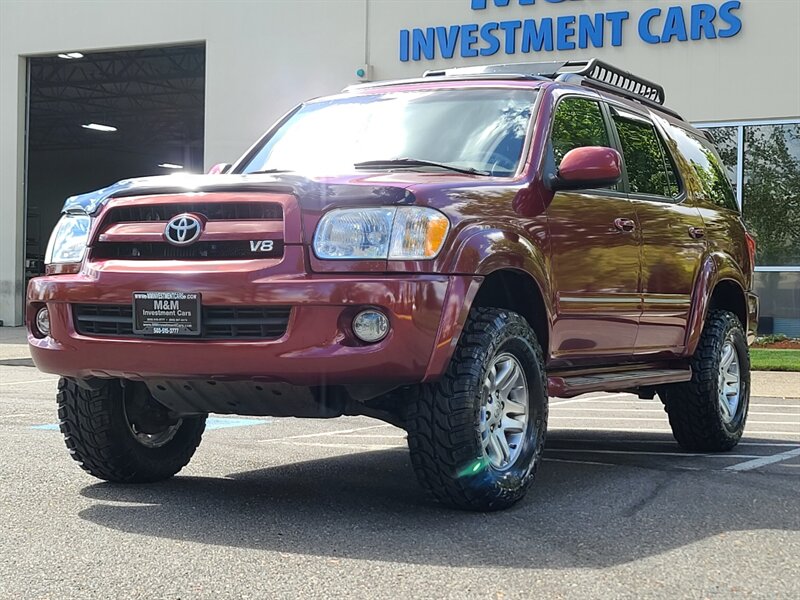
(770, 179)
(771, 192)
(713, 176)
(578, 123)
(482, 129)
(726, 140)
(650, 171)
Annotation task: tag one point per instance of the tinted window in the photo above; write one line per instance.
(578, 122)
(726, 141)
(650, 169)
(715, 186)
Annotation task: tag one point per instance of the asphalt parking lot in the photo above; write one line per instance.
(284, 508)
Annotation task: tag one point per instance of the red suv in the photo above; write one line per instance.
(443, 254)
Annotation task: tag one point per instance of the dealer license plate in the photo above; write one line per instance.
(166, 313)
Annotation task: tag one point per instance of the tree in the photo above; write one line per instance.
(771, 194)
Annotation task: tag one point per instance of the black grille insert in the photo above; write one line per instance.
(224, 250)
(218, 322)
(213, 211)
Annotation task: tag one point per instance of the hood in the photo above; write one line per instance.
(383, 188)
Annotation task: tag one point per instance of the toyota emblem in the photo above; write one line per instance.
(183, 230)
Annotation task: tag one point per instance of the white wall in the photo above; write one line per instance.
(753, 75)
(261, 59)
(264, 57)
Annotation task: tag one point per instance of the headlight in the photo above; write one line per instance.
(393, 233)
(68, 240)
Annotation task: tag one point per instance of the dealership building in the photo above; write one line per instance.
(93, 92)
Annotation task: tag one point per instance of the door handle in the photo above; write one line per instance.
(697, 232)
(625, 225)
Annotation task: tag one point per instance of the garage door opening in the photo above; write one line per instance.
(95, 118)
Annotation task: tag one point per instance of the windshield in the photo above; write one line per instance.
(480, 130)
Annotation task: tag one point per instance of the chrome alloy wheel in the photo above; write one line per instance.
(152, 440)
(504, 411)
(729, 384)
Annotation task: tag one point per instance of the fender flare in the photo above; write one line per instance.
(715, 269)
(480, 253)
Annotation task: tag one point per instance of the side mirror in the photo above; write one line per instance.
(219, 168)
(586, 168)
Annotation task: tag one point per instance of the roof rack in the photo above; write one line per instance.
(593, 73)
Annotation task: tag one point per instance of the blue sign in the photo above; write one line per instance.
(655, 25)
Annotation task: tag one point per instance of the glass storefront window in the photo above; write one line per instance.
(765, 172)
(770, 180)
(771, 194)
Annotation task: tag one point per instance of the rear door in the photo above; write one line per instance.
(594, 249)
(672, 234)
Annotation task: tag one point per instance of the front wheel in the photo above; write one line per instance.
(476, 436)
(121, 434)
(708, 413)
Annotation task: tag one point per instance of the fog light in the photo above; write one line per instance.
(370, 326)
(43, 321)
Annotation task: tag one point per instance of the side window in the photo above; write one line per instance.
(578, 122)
(715, 186)
(650, 168)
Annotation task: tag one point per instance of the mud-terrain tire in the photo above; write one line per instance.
(700, 421)
(449, 422)
(101, 439)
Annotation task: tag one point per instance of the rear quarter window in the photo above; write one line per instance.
(704, 161)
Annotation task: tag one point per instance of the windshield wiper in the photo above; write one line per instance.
(415, 162)
(268, 171)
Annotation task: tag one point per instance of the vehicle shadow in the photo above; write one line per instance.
(369, 506)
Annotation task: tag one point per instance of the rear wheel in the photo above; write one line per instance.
(476, 436)
(708, 413)
(121, 434)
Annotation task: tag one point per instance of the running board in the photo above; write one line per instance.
(566, 386)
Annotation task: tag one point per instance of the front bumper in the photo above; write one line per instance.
(426, 313)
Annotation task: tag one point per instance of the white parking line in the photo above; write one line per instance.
(661, 419)
(335, 445)
(324, 433)
(27, 381)
(634, 400)
(653, 430)
(647, 453)
(670, 441)
(661, 411)
(763, 461)
(368, 435)
(579, 462)
(559, 402)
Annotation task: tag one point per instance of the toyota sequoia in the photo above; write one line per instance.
(443, 253)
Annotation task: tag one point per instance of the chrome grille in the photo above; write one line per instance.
(213, 211)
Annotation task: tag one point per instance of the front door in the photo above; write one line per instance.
(594, 249)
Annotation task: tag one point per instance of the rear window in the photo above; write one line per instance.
(715, 187)
(650, 170)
